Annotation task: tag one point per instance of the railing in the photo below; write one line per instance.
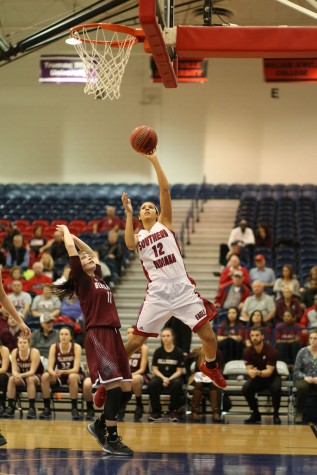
(188, 225)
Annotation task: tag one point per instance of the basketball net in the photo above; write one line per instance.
(105, 54)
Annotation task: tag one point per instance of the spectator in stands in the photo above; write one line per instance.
(7, 242)
(260, 360)
(183, 334)
(65, 275)
(257, 321)
(139, 366)
(262, 273)
(312, 277)
(263, 236)
(56, 247)
(27, 370)
(21, 300)
(136, 223)
(232, 295)
(309, 320)
(4, 376)
(106, 272)
(230, 336)
(16, 273)
(63, 369)
(286, 280)
(288, 301)
(308, 296)
(258, 301)
(48, 264)
(113, 250)
(37, 241)
(47, 304)
(243, 236)
(17, 254)
(44, 337)
(9, 337)
(198, 381)
(109, 222)
(287, 336)
(36, 283)
(71, 308)
(235, 250)
(233, 265)
(305, 374)
(167, 369)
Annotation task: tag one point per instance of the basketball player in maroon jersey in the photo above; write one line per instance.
(27, 370)
(25, 331)
(170, 291)
(63, 369)
(107, 361)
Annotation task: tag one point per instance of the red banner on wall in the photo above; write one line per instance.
(290, 70)
(189, 70)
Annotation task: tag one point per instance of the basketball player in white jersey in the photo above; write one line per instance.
(170, 292)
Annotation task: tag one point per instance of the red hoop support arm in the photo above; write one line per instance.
(246, 42)
(153, 33)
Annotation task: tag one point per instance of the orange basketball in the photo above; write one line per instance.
(144, 139)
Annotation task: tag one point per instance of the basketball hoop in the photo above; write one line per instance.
(105, 50)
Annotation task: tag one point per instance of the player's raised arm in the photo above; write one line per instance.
(165, 216)
(130, 238)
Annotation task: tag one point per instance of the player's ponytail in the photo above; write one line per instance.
(66, 290)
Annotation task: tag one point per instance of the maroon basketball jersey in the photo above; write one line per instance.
(64, 360)
(135, 361)
(95, 297)
(25, 365)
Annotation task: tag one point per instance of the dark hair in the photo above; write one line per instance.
(237, 311)
(287, 266)
(257, 329)
(66, 290)
(155, 206)
(169, 329)
(67, 327)
(262, 319)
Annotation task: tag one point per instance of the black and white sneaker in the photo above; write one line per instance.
(46, 414)
(116, 447)
(155, 418)
(98, 430)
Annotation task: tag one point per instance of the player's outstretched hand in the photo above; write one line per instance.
(150, 156)
(126, 202)
(61, 228)
(25, 331)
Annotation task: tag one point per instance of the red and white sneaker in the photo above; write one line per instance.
(100, 396)
(214, 374)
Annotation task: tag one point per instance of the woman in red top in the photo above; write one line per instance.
(106, 357)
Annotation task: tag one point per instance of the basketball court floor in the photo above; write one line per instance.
(65, 447)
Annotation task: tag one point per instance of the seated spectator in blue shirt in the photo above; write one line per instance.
(262, 273)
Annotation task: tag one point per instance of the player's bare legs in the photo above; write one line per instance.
(210, 367)
(208, 339)
(134, 343)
